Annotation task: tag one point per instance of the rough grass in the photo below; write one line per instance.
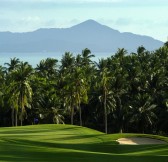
(66, 143)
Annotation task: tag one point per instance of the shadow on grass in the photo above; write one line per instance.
(27, 150)
(61, 156)
(57, 129)
(112, 148)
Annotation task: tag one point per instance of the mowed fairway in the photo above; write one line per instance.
(66, 143)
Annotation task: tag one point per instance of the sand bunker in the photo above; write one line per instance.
(139, 141)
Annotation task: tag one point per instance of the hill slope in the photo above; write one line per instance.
(65, 143)
(89, 34)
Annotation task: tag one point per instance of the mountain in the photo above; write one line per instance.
(89, 34)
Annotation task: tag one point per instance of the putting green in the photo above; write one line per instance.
(66, 143)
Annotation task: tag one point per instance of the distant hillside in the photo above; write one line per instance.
(90, 34)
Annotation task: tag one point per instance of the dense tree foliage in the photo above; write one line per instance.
(122, 93)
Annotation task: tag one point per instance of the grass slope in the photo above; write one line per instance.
(66, 143)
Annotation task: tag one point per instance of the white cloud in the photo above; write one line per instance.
(31, 19)
(34, 22)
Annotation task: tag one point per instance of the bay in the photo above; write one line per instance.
(35, 57)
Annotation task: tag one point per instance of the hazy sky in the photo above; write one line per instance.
(145, 17)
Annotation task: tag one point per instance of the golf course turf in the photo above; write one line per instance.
(67, 143)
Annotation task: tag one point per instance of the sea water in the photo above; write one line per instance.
(34, 58)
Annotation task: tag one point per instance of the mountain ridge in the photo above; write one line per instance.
(88, 34)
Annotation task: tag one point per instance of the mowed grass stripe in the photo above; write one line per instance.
(73, 143)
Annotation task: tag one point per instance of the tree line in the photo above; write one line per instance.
(127, 92)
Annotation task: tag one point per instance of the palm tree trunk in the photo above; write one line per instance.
(72, 114)
(120, 114)
(105, 113)
(72, 110)
(12, 116)
(16, 114)
(121, 124)
(21, 119)
(80, 115)
(22, 107)
(121, 129)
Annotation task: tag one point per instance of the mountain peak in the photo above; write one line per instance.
(91, 22)
(88, 24)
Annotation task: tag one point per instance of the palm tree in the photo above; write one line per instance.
(120, 54)
(67, 61)
(119, 65)
(14, 63)
(141, 50)
(76, 78)
(47, 68)
(68, 96)
(49, 106)
(86, 56)
(166, 44)
(106, 96)
(20, 88)
(80, 84)
(159, 86)
(58, 118)
(143, 112)
(13, 102)
(76, 91)
(2, 85)
(65, 82)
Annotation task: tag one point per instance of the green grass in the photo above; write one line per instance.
(66, 143)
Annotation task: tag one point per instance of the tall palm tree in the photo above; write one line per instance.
(118, 65)
(68, 95)
(80, 95)
(103, 82)
(76, 91)
(65, 82)
(2, 85)
(77, 76)
(13, 102)
(13, 65)
(20, 87)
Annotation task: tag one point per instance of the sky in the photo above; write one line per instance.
(144, 17)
